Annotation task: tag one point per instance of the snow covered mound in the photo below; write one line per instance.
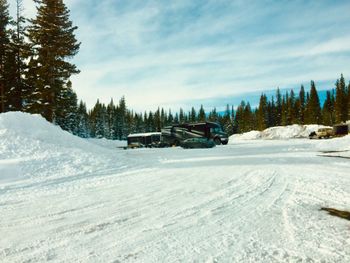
(24, 126)
(278, 133)
(21, 131)
(26, 139)
(252, 135)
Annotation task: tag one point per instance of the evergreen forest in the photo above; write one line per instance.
(35, 72)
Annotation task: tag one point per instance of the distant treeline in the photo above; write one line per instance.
(116, 121)
(35, 78)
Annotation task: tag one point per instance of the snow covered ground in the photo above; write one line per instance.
(66, 199)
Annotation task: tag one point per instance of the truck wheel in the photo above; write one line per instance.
(217, 141)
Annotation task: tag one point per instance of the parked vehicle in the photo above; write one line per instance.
(140, 140)
(197, 143)
(176, 134)
(338, 130)
(322, 133)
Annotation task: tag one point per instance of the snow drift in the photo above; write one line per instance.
(24, 133)
(29, 146)
(278, 133)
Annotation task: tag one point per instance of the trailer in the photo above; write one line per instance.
(140, 140)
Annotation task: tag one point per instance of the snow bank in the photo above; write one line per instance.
(278, 133)
(23, 130)
(252, 135)
(26, 139)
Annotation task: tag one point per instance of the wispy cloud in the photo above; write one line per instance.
(170, 52)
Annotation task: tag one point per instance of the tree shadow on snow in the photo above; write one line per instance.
(336, 212)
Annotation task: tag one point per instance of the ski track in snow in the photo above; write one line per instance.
(245, 202)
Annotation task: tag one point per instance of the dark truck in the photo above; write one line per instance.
(177, 134)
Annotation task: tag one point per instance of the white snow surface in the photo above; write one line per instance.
(279, 133)
(66, 199)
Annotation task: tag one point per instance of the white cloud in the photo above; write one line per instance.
(163, 53)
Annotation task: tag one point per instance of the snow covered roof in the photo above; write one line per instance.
(143, 134)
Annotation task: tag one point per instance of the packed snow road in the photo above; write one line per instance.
(65, 199)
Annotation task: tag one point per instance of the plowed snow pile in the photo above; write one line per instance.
(279, 133)
(66, 199)
(32, 147)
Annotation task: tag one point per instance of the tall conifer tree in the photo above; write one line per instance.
(328, 110)
(201, 114)
(262, 113)
(341, 105)
(278, 108)
(4, 54)
(314, 108)
(19, 90)
(301, 111)
(53, 42)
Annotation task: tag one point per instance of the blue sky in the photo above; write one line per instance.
(181, 53)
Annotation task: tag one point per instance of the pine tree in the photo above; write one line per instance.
(130, 123)
(170, 120)
(301, 108)
(278, 108)
(213, 115)
(145, 120)
(313, 107)
(176, 118)
(284, 110)
(238, 121)
(291, 111)
(139, 127)
(157, 121)
(341, 105)
(19, 50)
(271, 109)
(111, 112)
(181, 116)
(201, 114)
(121, 129)
(227, 121)
(193, 115)
(150, 119)
(82, 129)
(244, 119)
(248, 119)
(66, 111)
(328, 110)
(163, 117)
(51, 35)
(262, 113)
(4, 53)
